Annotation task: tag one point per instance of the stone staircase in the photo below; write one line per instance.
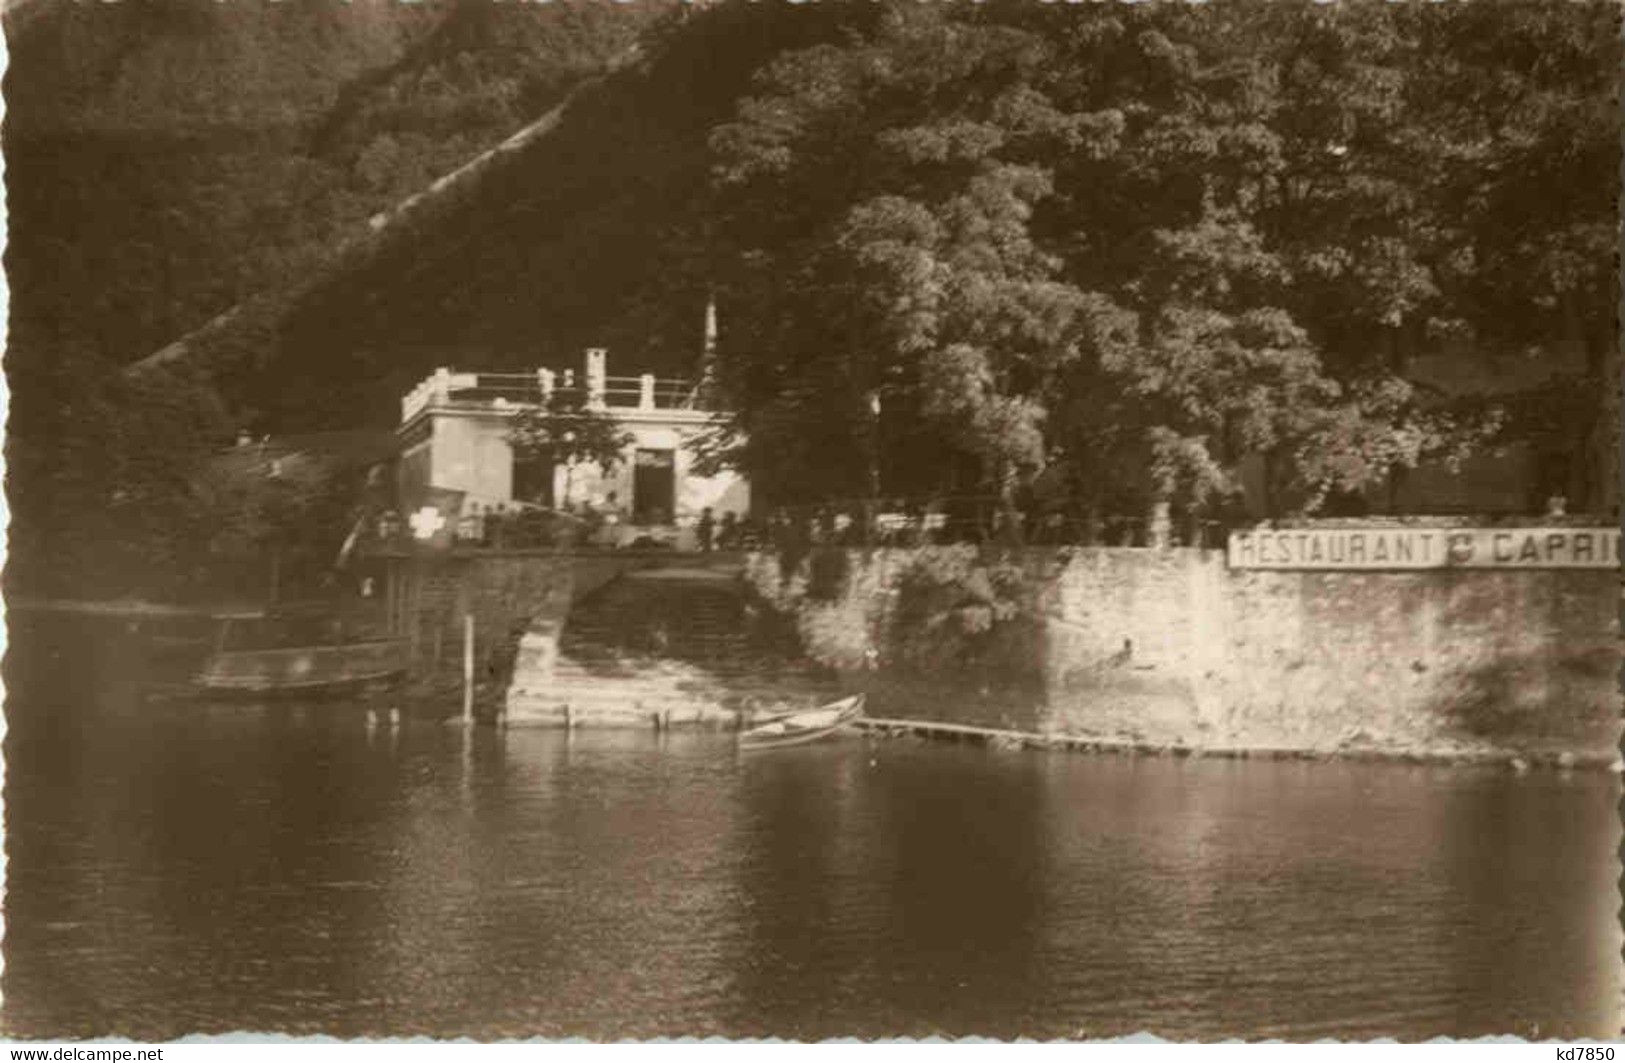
(664, 647)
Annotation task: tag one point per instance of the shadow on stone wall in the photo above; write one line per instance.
(1536, 702)
(668, 645)
(944, 633)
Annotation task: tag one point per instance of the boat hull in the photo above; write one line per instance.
(802, 728)
(303, 669)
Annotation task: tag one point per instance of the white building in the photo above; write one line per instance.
(454, 435)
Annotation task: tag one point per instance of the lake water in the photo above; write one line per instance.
(201, 868)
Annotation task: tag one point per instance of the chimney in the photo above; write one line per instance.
(710, 350)
(596, 357)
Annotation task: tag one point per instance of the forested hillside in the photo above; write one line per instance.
(1118, 251)
(168, 158)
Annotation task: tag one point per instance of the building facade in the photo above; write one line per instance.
(454, 431)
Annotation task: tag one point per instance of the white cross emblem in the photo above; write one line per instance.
(425, 522)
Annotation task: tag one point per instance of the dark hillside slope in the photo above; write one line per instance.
(584, 231)
(170, 158)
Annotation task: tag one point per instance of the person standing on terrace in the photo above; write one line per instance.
(706, 529)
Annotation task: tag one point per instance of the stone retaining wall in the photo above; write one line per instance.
(1172, 647)
(519, 601)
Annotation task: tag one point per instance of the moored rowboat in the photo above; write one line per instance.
(799, 728)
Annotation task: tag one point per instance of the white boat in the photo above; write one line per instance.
(798, 728)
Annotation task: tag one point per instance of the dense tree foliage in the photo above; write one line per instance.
(133, 487)
(101, 474)
(565, 429)
(1147, 246)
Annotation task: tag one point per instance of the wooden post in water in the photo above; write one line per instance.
(468, 668)
(389, 596)
(465, 605)
(412, 616)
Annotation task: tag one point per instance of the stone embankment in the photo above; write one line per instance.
(518, 601)
(595, 639)
(666, 647)
(1154, 650)
(1169, 650)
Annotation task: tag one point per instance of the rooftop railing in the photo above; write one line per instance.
(448, 389)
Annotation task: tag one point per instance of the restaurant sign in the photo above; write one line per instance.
(1424, 548)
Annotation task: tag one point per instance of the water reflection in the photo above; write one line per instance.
(297, 867)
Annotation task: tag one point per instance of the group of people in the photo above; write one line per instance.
(730, 533)
(939, 523)
(498, 526)
(591, 522)
(792, 530)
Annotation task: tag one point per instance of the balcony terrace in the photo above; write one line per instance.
(447, 389)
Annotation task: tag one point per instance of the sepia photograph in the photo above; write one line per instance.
(805, 520)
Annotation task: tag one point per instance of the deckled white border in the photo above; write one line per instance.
(1142, 1045)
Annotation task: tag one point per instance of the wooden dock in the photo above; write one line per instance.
(1003, 736)
(1007, 738)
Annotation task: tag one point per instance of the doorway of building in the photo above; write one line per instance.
(533, 479)
(654, 486)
